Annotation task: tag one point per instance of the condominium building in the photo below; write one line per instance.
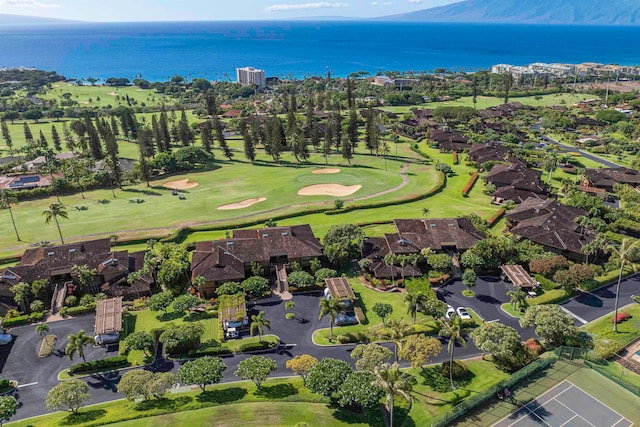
(250, 76)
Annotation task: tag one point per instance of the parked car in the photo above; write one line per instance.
(236, 323)
(450, 311)
(232, 333)
(106, 339)
(346, 319)
(463, 313)
(5, 339)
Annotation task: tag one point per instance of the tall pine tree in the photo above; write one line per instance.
(184, 133)
(6, 135)
(249, 147)
(55, 137)
(206, 136)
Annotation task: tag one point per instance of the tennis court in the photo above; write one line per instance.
(565, 405)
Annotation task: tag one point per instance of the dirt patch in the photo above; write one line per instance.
(182, 184)
(113, 93)
(325, 171)
(336, 190)
(242, 204)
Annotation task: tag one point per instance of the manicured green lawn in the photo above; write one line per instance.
(368, 297)
(147, 320)
(281, 402)
(628, 330)
(256, 414)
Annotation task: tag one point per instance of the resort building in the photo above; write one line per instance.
(251, 76)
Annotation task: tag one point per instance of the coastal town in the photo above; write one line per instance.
(406, 248)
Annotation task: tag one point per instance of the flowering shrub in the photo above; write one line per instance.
(467, 188)
(622, 316)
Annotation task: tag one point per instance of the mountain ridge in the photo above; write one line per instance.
(572, 12)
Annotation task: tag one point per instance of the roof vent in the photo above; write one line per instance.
(432, 225)
(451, 225)
(229, 243)
(285, 233)
(51, 253)
(71, 251)
(265, 235)
(227, 253)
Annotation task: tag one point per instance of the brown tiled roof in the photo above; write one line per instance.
(384, 271)
(224, 260)
(108, 316)
(606, 177)
(550, 224)
(375, 248)
(537, 210)
(489, 152)
(436, 233)
(441, 136)
(516, 174)
(339, 288)
(517, 195)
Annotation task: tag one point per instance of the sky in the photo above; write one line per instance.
(189, 10)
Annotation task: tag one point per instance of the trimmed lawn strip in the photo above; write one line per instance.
(256, 414)
(48, 345)
(429, 403)
(628, 330)
(513, 312)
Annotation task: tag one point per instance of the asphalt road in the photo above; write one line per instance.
(583, 153)
(20, 361)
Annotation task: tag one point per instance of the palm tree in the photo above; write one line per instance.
(258, 323)
(518, 298)
(452, 329)
(332, 307)
(7, 198)
(55, 210)
(42, 329)
(396, 332)
(389, 260)
(76, 344)
(415, 302)
(393, 382)
(385, 152)
(403, 260)
(414, 259)
(627, 251)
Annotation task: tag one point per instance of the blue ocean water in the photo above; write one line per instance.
(213, 50)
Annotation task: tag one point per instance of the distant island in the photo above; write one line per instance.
(7, 20)
(562, 12)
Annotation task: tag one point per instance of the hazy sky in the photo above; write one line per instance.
(172, 10)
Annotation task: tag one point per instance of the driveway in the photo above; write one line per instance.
(19, 360)
(589, 306)
(583, 153)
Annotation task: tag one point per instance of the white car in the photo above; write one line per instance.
(462, 312)
(450, 311)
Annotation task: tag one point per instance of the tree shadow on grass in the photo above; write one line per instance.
(221, 397)
(164, 404)
(279, 391)
(371, 417)
(170, 315)
(433, 377)
(82, 417)
(196, 316)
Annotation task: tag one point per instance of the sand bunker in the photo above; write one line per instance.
(113, 93)
(182, 184)
(242, 204)
(336, 190)
(325, 171)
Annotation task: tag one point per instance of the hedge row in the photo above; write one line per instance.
(99, 365)
(256, 346)
(81, 309)
(551, 297)
(493, 219)
(630, 227)
(467, 188)
(416, 149)
(14, 321)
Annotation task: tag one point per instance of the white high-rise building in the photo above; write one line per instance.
(251, 76)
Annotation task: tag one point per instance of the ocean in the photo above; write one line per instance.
(212, 50)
